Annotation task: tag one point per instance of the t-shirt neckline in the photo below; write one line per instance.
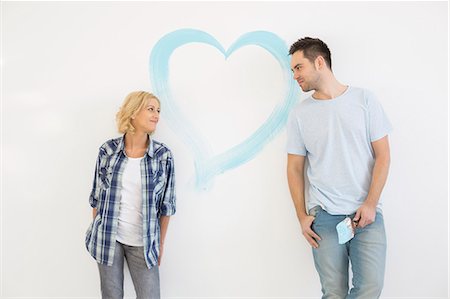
(332, 99)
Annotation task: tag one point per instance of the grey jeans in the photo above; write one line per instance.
(145, 281)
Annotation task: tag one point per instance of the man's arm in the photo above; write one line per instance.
(296, 183)
(367, 212)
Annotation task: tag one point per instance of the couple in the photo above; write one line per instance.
(341, 130)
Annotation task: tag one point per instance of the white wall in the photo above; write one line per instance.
(67, 67)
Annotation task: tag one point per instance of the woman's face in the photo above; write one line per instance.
(147, 118)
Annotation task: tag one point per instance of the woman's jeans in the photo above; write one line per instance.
(366, 253)
(146, 281)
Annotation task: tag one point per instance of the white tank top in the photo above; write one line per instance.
(130, 228)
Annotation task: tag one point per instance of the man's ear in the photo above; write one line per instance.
(320, 63)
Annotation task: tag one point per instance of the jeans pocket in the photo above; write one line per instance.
(315, 211)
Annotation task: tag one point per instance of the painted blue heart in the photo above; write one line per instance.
(208, 165)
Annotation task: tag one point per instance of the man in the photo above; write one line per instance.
(342, 132)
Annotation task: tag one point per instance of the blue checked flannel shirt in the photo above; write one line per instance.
(158, 198)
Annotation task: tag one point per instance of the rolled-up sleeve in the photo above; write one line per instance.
(168, 205)
(93, 198)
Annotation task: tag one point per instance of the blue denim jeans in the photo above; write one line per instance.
(366, 252)
(145, 281)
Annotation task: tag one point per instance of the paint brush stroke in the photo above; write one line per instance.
(207, 165)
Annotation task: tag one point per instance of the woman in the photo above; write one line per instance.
(132, 197)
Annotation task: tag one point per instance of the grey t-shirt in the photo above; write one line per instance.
(335, 135)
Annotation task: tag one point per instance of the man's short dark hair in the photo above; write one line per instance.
(312, 48)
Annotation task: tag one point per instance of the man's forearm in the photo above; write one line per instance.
(379, 176)
(297, 190)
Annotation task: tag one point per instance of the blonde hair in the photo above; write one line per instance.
(132, 104)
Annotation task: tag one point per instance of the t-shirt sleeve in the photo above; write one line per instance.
(379, 124)
(295, 144)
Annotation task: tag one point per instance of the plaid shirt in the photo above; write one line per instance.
(158, 198)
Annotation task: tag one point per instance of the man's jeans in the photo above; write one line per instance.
(366, 253)
(146, 281)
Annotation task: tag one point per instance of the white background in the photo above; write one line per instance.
(67, 67)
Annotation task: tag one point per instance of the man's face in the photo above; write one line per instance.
(305, 72)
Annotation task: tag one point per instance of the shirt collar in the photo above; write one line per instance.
(150, 149)
(121, 146)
